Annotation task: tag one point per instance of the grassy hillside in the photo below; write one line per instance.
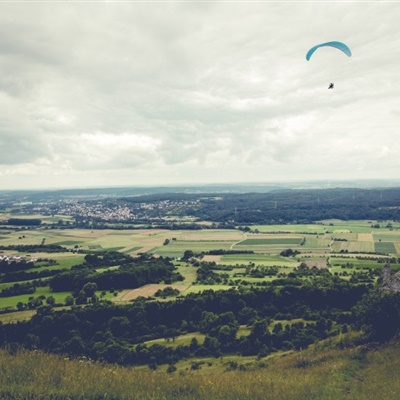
(325, 371)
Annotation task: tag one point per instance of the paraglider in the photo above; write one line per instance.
(337, 45)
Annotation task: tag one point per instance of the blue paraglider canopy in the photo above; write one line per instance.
(338, 45)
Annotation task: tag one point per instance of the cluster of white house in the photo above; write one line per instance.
(17, 259)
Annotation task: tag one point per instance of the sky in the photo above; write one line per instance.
(98, 94)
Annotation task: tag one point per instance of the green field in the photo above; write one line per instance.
(258, 259)
(314, 242)
(176, 249)
(317, 236)
(385, 247)
(271, 241)
(24, 298)
(339, 261)
(298, 228)
(182, 340)
(201, 288)
(12, 301)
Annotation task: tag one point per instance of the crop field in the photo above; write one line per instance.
(385, 247)
(387, 237)
(46, 219)
(316, 263)
(298, 228)
(358, 234)
(360, 226)
(345, 235)
(177, 248)
(272, 241)
(360, 247)
(365, 237)
(258, 259)
(315, 244)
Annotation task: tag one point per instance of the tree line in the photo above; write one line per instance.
(114, 333)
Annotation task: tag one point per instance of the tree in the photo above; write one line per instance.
(81, 299)
(226, 335)
(119, 326)
(69, 300)
(187, 255)
(89, 288)
(50, 300)
(378, 313)
(212, 346)
(32, 341)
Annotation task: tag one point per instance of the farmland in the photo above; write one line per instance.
(148, 295)
(342, 247)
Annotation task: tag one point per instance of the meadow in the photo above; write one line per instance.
(331, 370)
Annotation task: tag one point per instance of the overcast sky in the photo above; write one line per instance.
(96, 94)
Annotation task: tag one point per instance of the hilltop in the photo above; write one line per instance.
(340, 368)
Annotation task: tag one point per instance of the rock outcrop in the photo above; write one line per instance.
(389, 280)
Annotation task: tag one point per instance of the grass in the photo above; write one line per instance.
(316, 242)
(180, 340)
(258, 259)
(24, 298)
(356, 262)
(282, 240)
(326, 371)
(69, 242)
(201, 288)
(388, 237)
(176, 249)
(17, 316)
(298, 228)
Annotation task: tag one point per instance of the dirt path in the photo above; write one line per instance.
(242, 240)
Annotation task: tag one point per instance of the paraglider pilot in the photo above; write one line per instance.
(330, 86)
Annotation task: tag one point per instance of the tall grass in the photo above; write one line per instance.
(317, 373)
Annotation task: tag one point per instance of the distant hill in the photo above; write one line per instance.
(240, 187)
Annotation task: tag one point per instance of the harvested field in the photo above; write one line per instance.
(344, 235)
(146, 291)
(365, 237)
(360, 246)
(318, 264)
(209, 258)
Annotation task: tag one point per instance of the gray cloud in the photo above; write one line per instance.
(133, 93)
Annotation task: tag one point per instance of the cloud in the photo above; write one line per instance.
(132, 93)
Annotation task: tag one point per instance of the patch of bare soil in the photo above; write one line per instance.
(318, 264)
(209, 258)
(147, 291)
